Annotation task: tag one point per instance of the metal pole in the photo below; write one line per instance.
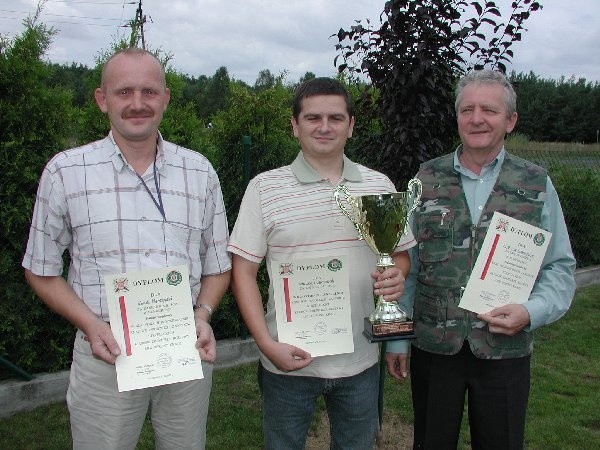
(246, 143)
(382, 371)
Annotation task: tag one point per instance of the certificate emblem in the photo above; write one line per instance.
(174, 278)
(539, 239)
(502, 225)
(121, 285)
(334, 265)
(286, 269)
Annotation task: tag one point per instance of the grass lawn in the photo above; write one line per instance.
(563, 407)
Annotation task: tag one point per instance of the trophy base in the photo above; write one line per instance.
(377, 332)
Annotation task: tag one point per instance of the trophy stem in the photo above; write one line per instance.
(386, 311)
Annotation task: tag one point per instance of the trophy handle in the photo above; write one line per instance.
(415, 188)
(341, 189)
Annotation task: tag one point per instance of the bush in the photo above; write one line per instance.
(578, 189)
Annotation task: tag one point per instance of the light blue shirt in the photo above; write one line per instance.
(554, 289)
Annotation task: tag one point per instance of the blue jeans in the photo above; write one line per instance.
(289, 404)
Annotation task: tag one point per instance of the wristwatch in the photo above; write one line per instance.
(206, 307)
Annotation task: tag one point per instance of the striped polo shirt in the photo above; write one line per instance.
(290, 213)
(91, 202)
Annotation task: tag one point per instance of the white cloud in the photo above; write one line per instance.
(247, 36)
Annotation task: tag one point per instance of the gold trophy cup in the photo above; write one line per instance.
(381, 220)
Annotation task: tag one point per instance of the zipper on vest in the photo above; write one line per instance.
(473, 234)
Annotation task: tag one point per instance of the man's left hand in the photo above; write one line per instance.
(508, 319)
(206, 343)
(389, 283)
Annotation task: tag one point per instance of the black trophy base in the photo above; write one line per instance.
(390, 331)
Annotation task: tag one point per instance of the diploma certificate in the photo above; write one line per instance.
(152, 319)
(507, 266)
(312, 304)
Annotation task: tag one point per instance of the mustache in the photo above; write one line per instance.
(137, 113)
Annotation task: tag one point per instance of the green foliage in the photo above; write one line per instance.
(576, 187)
(564, 110)
(516, 139)
(265, 117)
(413, 60)
(208, 94)
(35, 118)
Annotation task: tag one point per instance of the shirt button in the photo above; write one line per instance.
(480, 208)
(481, 180)
(147, 254)
(143, 219)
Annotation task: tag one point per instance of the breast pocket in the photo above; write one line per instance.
(185, 243)
(435, 235)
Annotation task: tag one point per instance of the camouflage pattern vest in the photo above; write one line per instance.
(448, 245)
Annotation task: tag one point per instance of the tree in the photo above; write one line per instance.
(413, 61)
(563, 110)
(34, 119)
(265, 80)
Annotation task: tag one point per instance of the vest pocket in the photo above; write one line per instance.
(521, 340)
(430, 315)
(435, 235)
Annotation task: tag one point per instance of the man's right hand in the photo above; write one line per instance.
(397, 364)
(103, 344)
(287, 358)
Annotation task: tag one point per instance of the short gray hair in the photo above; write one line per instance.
(488, 76)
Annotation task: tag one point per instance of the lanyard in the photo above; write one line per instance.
(159, 203)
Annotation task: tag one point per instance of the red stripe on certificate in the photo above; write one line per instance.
(125, 325)
(489, 258)
(286, 295)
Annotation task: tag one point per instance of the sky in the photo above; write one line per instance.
(291, 36)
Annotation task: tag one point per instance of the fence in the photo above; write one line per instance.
(575, 172)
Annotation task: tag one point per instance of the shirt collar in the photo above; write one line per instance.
(305, 173)
(119, 160)
(493, 167)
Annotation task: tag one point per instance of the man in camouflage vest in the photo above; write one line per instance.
(456, 351)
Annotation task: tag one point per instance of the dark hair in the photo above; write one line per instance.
(320, 86)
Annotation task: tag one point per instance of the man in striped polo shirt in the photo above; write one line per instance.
(289, 216)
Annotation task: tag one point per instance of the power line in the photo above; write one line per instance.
(48, 17)
(60, 15)
(91, 2)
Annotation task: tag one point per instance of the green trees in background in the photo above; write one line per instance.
(36, 117)
(564, 110)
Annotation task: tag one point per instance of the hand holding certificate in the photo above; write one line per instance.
(507, 266)
(151, 318)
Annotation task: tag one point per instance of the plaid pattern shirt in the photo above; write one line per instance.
(91, 202)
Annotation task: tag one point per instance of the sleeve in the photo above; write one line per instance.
(50, 231)
(407, 299)
(215, 234)
(249, 238)
(554, 289)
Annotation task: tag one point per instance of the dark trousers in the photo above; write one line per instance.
(497, 392)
